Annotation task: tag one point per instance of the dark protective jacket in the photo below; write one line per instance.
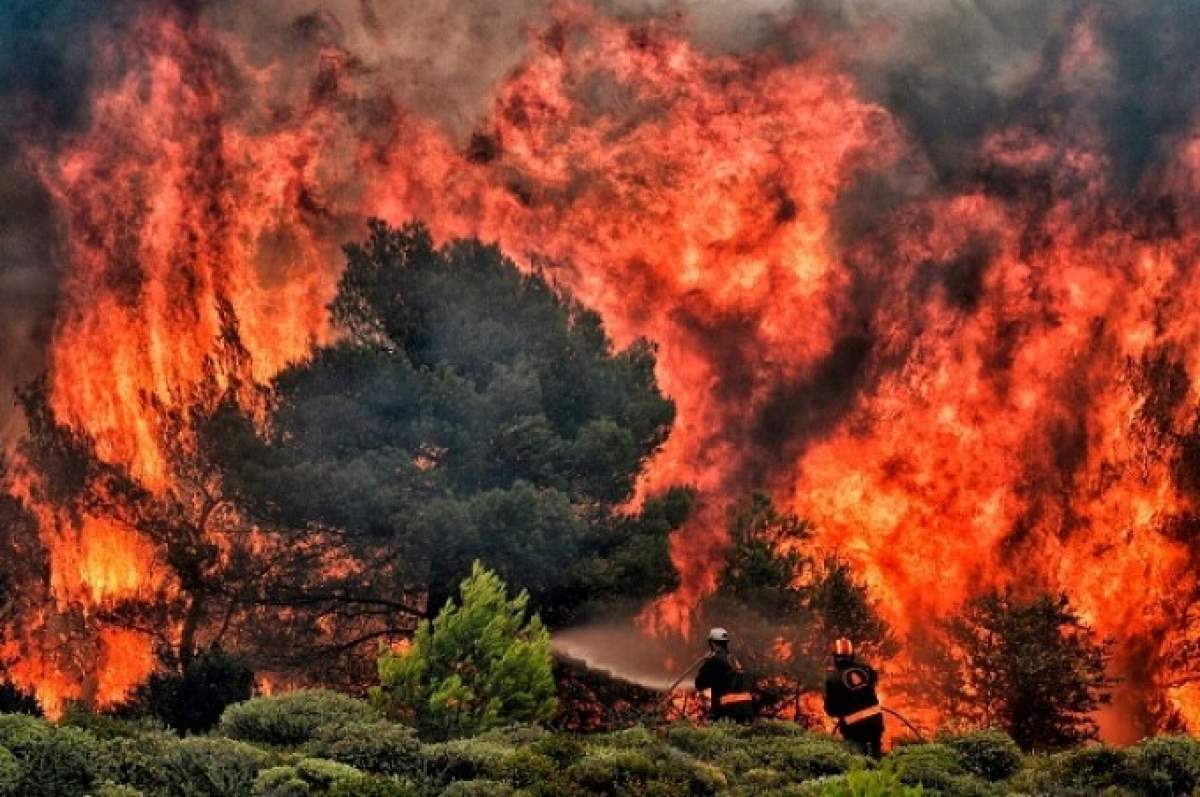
(730, 689)
(850, 690)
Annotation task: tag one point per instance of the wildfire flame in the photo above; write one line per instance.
(983, 385)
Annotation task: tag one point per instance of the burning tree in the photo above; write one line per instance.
(1029, 666)
(468, 412)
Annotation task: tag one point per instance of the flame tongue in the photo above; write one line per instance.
(960, 389)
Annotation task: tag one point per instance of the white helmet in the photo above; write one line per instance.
(718, 635)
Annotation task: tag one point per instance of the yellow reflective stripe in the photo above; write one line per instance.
(859, 716)
(735, 697)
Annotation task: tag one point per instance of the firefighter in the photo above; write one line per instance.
(728, 686)
(850, 698)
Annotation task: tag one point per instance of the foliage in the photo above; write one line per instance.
(935, 766)
(192, 700)
(1031, 667)
(292, 718)
(469, 412)
(1168, 765)
(875, 783)
(379, 747)
(10, 774)
(990, 754)
(477, 666)
(210, 767)
(63, 763)
(769, 759)
(371, 786)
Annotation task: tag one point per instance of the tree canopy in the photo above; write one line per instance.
(469, 411)
(1030, 666)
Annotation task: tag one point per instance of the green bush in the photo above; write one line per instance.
(108, 789)
(805, 757)
(525, 768)
(292, 718)
(10, 774)
(935, 766)
(1097, 769)
(563, 749)
(323, 774)
(874, 783)
(372, 786)
(703, 741)
(509, 677)
(465, 759)
(1168, 765)
(64, 763)
(660, 771)
(106, 726)
(138, 761)
(478, 788)
(20, 732)
(280, 782)
(211, 767)
(379, 747)
(990, 754)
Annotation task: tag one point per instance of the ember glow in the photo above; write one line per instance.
(963, 383)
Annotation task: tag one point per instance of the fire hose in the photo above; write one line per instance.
(904, 719)
(671, 690)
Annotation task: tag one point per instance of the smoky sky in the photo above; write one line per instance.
(951, 71)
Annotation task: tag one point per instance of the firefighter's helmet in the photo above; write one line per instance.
(843, 647)
(718, 635)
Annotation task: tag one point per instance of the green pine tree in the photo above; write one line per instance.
(476, 666)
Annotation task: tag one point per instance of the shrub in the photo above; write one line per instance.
(707, 742)
(371, 786)
(379, 747)
(292, 718)
(990, 754)
(1168, 765)
(323, 774)
(525, 768)
(478, 788)
(211, 767)
(279, 782)
(10, 774)
(465, 759)
(1097, 769)
(476, 666)
(562, 749)
(805, 757)
(106, 726)
(63, 763)
(606, 770)
(108, 789)
(193, 700)
(935, 766)
(138, 761)
(19, 733)
(874, 783)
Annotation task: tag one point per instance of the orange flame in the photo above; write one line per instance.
(955, 397)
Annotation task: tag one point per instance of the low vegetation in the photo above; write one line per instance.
(340, 747)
